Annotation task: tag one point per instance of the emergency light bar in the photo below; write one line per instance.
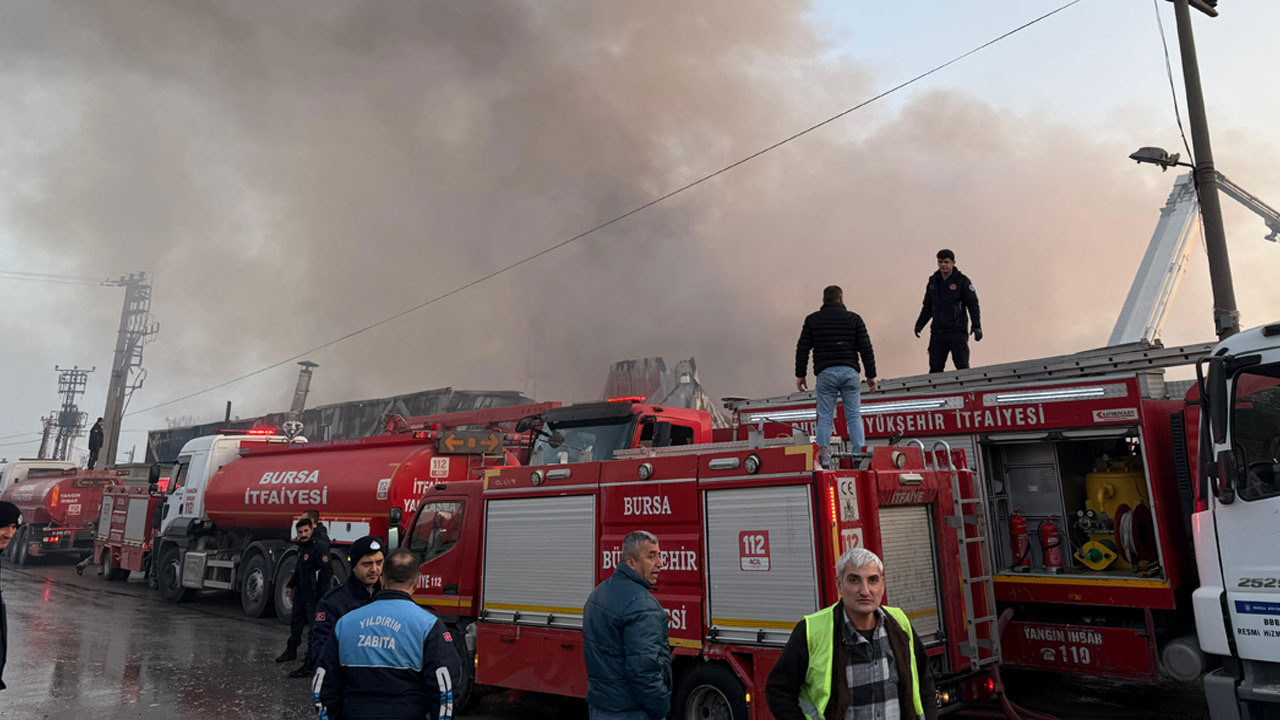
(1059, 395)
(913, 405)
(782, 415)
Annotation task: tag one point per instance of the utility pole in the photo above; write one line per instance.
(137, 327)
(71, 383)
(1226, 317)
(50, 423)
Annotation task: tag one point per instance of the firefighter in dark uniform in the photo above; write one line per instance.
(10, 519)
(390, 659)
(950, 302)
(365, 556)
(312, 576)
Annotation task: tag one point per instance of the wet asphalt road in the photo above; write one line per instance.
(81, 647)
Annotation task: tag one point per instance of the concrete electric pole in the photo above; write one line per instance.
(137, 327)
(1226, 317)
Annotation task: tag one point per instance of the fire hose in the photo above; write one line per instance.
(1008, 710)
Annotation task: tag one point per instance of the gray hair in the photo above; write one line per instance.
(632, 542)
(858, 557)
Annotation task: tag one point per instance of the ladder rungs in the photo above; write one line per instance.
(977, 539)
(987, 619)
(980, 578)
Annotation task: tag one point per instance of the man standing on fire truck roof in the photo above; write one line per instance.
(312, 576)
(390, 659)
(624, 638)
(947, 297)
(856, 660)
(10, 519)
(837, 337)
(365, 556)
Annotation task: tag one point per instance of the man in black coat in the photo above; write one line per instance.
(10, 519)
(366, 556)
(311, 577)
(837, 338)
(95, 442)
(950, 302)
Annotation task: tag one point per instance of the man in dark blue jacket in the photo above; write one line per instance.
(391, 659)
(365, 556)
(624, 638)
(10, 519)
(950, 302)
(312, 577)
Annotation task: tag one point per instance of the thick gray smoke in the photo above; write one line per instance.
(295, 170)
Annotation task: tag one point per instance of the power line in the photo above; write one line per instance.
(615, 220)
(52, 281)
(94, 278)
(1168, 68)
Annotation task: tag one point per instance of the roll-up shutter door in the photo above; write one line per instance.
(911, 566)
(750, 604)
(135, 526)
(538, 559)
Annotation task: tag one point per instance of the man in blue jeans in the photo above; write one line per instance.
(837, 338)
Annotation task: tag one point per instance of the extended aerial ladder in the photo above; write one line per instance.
(1165, 262)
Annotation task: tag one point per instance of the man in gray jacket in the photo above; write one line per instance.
(624, 638)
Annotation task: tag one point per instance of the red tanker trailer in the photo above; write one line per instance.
(58, 510)
(233, 499)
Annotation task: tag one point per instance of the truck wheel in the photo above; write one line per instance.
(464, 695)
(169, 579)
(710, 692)
(340, 572)
(284, 605)
(20, 550)
(110, 572)
(255, 588)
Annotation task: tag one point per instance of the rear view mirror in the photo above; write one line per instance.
(395, 516)
(1218, 399)
(153, 475)
(525, 424)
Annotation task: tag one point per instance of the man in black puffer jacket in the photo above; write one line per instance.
(365, 557)
(837, 338)
(949, 303)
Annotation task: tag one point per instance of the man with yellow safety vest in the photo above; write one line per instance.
(856, 660)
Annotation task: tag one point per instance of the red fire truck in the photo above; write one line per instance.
(1085, 465)
(58, 510)
(750, 535)
(225, 519)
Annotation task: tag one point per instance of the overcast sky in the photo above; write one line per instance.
(293, 171)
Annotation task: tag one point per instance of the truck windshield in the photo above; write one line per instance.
(1255, 426)
(437, 530)
(581, 442)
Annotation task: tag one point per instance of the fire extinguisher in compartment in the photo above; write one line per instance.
(1051, 544)
(1020, 543)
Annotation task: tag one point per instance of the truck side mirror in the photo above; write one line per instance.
(662, 434)
(1217, 399)
(154, 473)
(395, 516)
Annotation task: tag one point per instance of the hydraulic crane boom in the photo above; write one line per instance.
(1165, 262)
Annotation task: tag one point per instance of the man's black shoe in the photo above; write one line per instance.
(302, 672)
(289, 655)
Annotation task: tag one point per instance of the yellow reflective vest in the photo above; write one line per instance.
(820, 629)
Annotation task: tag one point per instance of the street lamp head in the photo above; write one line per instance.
(1156, 156)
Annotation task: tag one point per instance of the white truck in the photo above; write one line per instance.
(15, 471)
(1237, 525)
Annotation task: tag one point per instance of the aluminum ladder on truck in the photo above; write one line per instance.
(969, 519)
(1133, 357)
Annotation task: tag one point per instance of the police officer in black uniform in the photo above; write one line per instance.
(950, 302)
(391, 659)
(365, 556)
(311, 577)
